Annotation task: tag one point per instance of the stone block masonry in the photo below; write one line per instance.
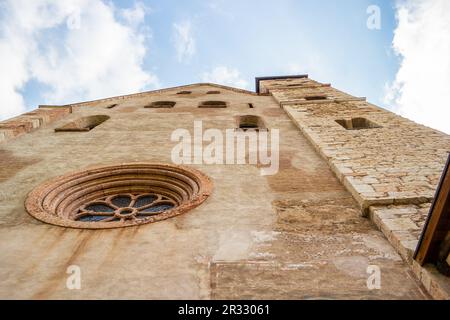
(389, 164)
(395, 162)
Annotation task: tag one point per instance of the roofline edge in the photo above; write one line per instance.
(259, 79)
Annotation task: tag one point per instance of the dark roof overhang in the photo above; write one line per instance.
(258, 79)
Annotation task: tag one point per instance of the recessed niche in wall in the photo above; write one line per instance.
(315, 98)
(250, 123)
(213, 104)
(161, 104)
(83, 124)
(357, 124)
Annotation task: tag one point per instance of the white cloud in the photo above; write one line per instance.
(136, 15)
(225, 76)
(183, 40)
(421, 90)
(76, 48)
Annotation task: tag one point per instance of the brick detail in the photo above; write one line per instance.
(29, 121)
(60, 200)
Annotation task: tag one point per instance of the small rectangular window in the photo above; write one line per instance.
(357, 124)
(161, 104)
(213, 104)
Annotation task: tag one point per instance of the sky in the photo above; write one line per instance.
(395, 53)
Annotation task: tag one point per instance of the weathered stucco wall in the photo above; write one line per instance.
(295, 235)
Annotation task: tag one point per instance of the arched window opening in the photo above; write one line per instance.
(250, 123)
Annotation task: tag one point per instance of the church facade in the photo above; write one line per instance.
(295, 191)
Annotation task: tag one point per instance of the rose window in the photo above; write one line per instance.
(119, 196)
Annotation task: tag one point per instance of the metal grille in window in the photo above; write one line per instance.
(124, 207)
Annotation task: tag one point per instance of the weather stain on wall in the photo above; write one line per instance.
(292, 179)
(10, 164)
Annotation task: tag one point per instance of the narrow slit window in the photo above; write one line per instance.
(112, 106)
(316, 98)
(184, 92)
(213, 92)
(251, 106)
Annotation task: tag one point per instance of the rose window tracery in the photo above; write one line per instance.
(124, 207)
